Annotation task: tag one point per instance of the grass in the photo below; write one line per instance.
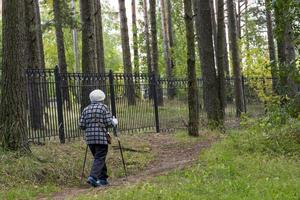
(231, 169)
(53, 166)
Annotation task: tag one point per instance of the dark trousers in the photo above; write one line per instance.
(99, 169)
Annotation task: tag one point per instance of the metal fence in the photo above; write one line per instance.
(142, 102)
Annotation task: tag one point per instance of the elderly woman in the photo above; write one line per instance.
(95, 120)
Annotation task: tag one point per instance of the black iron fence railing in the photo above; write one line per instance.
(142, 101)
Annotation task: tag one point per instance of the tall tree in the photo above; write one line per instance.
(75, 39)
(238, 15)
(154, 49)
(12, 105)
(39, 34)
(246, 27)
(286, 48)
(88, 45)
(170, 32)
(193, 127)
(210, 82)
(226, 60)
(165, 18)
(235, 58)
(34, 35)
(135, 38)
(220, 54)
(61, 54)
(147, 37)
(271, 45)
(126, 53)
(44, 92)
(35, 56)
(214, 26)
(147, 43)
(99, 38)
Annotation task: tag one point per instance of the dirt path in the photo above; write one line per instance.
(171, 154)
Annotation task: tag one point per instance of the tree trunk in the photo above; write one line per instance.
(246, 29)
(271, 46)
(227, 67)
(33, 35)
(214, 27)
(286, 50)
(44, 88)
(130, 93)
(197, 35)
(88, 46)
(34, 61)
(171, 35)
(148, 48)
(193, 127)
(238, 14)
(154, 49)
(210, 82)
(135, 48)
(147, 37)
(13, 126)
(62, 63)
(99, 38)
(75, 40)
(235, 58)
(135, 39)
(220, 50)
(226, 59)
(165, 15)
(39, 35)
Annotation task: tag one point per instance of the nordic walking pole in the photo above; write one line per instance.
(82, 174)
(121, 151)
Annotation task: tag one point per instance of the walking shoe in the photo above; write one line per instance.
(92, 181)
(102, 182)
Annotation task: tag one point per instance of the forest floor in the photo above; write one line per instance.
(250, 162)
(169, 152)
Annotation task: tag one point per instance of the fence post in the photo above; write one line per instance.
(112, 93)
(244, 95)
(155, 99)
(59, 105)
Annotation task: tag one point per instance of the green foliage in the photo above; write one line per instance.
(287, 11)
(178, 52)
(277, 133)
(254, 45)
(111, 34)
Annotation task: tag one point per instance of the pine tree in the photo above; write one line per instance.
(88, 46)
(61, 54)
(13, 128)
(193, 127)
(154, 48)
(210, 83)
(235, 53)
(220, 51)
(99, 38)
(129, 85)
(271, 45)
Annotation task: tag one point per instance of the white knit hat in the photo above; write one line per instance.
(97, 95)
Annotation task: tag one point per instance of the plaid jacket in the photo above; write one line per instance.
(95, 120)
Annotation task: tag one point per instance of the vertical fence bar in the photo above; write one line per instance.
(112, 93)
(155, 99)
(244, 94)
(59, 106)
